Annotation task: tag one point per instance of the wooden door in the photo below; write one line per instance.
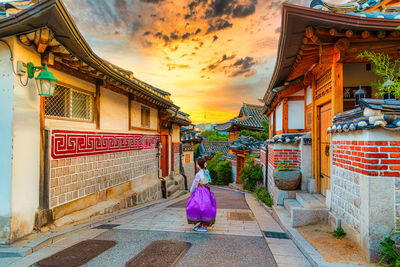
(164, 155)
(325, 118)
(239, 167)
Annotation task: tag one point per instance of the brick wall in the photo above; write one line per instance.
(291, 156)
(373, 158)
(85, 163)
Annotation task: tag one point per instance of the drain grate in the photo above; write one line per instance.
(160, 253)
(276, 235)
(106, 226)
(78, 254)
(240, 216)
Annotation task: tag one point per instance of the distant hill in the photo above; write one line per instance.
(204, 126)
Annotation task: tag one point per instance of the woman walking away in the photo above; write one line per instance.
(201, 207)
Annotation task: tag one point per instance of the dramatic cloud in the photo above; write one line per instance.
(220, 48)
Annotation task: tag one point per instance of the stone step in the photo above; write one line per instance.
(304, 216)
(289, 204)
(310, 201)
(282, 215)
(172, 189)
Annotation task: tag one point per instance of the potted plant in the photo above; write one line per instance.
(286, 177)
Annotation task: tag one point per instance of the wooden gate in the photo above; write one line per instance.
(164, 155)
(240, 163)
(324, 118)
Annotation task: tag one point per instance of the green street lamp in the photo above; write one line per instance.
(45, 81)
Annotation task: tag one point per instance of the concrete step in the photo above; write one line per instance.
(289, 204)
(282, 215)
(172, 189)
(303, 216)
(310, 201)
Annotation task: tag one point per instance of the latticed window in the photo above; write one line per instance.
(69, 103)
(145, 117)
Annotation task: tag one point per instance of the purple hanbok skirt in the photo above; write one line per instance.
(201, 207)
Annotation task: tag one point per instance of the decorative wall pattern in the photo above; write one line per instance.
(67, 144)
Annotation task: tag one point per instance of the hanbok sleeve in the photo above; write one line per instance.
(195, 182)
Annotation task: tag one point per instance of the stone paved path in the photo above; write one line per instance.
(228, 243)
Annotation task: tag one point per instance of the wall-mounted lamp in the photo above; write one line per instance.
(45, 81)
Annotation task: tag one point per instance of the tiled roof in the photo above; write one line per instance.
(188, 135)
(360, 8)
(250, 117)
(285, 138)
(210, 148)
(371, 114)
(246, 142)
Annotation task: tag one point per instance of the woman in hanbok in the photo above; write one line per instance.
(201, 207)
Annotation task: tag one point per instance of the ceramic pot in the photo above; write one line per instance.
(287, 179)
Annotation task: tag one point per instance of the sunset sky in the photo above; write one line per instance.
(211, 55)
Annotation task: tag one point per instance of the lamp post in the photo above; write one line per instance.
(45, 81)
(388, 93)
(358, 95)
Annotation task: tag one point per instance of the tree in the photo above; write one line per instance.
(259, 135)
(211, 135)
(386, 68)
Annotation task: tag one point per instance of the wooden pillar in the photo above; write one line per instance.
(314, 133)
(337, 88)
(285, 115)
(97, 104)
(129, 111)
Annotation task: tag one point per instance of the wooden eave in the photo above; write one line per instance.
(310, 36)
(69, 48)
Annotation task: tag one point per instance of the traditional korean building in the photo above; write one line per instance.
(349, 169)
(250, 118)
(100, 134)
(189, 138)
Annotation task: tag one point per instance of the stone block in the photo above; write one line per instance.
(302, 216)
(281, 195)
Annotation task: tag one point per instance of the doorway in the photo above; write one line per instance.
(324, 142)
(164, 155)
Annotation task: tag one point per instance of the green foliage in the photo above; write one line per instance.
(389, 251)
(339, 233)
(283, 165)
(251, 174)
(262, 194)
(211, 135)
(258, 135)
(220, 170)
(384, 66)
(196, 152)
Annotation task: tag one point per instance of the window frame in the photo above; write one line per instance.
(91, 104)
(147, 109)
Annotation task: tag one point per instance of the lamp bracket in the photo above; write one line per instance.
(32, 69)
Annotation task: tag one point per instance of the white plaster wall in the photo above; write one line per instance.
(278, 118)
(296, 114)
(26, 148)
(308, 95)
(136, 117)
(6, 133)
(176, 133)
(113, 111)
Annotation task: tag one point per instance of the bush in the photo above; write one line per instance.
(224, 173)
(211, 135)
(262, 194)
(389, 250)
(251, 174)
(220, 170)
(258, 135)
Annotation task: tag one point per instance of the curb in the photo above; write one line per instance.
(311, 254)
(51, 238)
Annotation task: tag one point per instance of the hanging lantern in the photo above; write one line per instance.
(358, 95)
(45, 81)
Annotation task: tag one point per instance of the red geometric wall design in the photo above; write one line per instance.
(68, 144)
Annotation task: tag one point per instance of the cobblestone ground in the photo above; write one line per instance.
(230, 242)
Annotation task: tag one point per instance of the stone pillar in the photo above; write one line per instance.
(365, 185)
(307, 183)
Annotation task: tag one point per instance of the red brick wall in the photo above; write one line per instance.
(263, 157)
(292, 156)
(373, 158)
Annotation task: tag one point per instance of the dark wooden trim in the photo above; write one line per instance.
(295, 98)
(42, 201)
(129, 112)
(285, 115)
(64, 68)
(97, 103)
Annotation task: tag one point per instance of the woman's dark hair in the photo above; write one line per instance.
(202, 163)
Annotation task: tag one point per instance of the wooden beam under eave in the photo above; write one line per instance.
(68, 70)
(285, 115)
